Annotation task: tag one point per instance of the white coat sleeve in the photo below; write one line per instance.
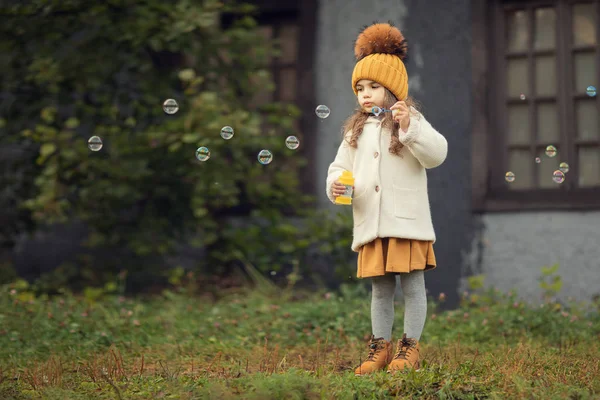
(343, 162)
(424, 142)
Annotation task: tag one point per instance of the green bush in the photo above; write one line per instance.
(75, 69)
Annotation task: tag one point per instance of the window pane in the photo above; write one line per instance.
(287, 84)
(585, 71)
(288, 37)
(584, 23)
(589, 166)
(517, 77)
(547, 123)
(519, 162)
(545, 170)
(267, 32)
(587, 120)
(261, 98)
(545, 29)
(266, 93)
(519, 129)
(517, 34)
(545, 76)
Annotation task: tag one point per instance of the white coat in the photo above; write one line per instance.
(390, 196)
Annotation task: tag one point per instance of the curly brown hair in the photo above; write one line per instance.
(355, 123)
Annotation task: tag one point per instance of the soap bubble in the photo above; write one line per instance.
(202, 153)
(558, 176)
(292, 142)
(265, 157)
(227, 132)
(522, 96)
(564, 167)
(591, 91)
(550, 151)
(170, 106)
(322, 111)
(376, 110)
(538, 160)
(509, 177)
(95, 143)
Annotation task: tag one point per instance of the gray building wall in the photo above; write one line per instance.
(439, 72)
(512, 248)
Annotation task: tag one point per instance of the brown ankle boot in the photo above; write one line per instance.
(380, 354)
(407, 355)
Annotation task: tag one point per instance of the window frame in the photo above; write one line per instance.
(489, 191)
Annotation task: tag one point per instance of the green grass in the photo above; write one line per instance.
(286, 344)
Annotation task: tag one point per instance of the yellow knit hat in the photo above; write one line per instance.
(380, 50)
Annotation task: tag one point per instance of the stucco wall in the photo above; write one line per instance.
(513, 247)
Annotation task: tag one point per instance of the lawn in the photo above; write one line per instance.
(269, 343)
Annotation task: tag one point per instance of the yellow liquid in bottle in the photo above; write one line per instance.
(348, 180)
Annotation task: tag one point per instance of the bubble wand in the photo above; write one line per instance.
(378, 110)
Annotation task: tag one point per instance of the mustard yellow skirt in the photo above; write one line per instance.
(394, 255)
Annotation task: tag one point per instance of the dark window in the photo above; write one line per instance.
(291, 25)
(533, 63)
(284, 32)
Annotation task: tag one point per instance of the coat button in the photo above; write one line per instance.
(377, 188)
(376, 154)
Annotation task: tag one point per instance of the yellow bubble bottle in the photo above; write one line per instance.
(347, 180)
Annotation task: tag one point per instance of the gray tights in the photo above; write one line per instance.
(415, 304)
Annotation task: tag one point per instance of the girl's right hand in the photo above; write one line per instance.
(337, 189)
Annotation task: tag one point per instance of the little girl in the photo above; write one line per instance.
(388, 154)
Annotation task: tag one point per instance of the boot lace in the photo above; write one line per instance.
(373, 347)
(404, 347)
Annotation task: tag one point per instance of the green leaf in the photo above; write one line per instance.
(130, 122)
(200, 212)
(48, 114)
(110, 287)
(187, 75)
(68, 154)
(173, 147)
(46, 149)
(72, 123)
(190, 138)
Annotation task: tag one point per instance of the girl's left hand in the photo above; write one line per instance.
(402, 115)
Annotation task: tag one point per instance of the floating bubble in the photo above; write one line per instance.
(376, 110)
(550, 151)
(292, 142)
(591, 91)
(558, 176)
(322, 111)
(522, 96)
(538, 160)
(95, 143)
(265, 157)
(227, 132)
(170, 106)
(202, 153)
(564, 167)
(509, 177)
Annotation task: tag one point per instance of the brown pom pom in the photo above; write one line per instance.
(380, 38)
